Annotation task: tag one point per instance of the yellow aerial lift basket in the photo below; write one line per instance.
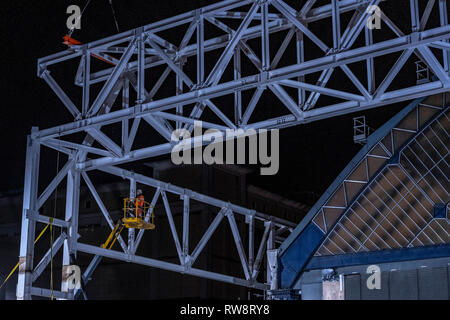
(134, 214)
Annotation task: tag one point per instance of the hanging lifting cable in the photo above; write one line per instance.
(114, 15)
(79, 17)
(52, 230)
(69, 41)
(84, 9)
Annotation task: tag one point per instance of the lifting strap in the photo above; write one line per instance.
(69, 41)
(114, 15)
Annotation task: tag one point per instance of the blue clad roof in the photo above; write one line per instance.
(312, 245)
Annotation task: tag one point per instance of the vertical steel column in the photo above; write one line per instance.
(270, 246)
(178, 91)
(336, 25)
(125, 105)
(200, 50)
(443, 14)
(71, 216)
(237, 94)
(30, 197)
(272, 262)
(370, 63)
(185, 229)
(265, 36)
(415, 20)
(131, 231)
(141, 68)
(251, 242)
(300, 47)
(86, 81)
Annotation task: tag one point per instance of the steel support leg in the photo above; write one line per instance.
(72, 209)
(30, 196)
(270, 246)
(185, 229)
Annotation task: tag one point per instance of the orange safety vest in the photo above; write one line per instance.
(140, 204)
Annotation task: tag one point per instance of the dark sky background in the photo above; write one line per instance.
(311, 155)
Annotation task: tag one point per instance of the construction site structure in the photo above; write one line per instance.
(242, 31)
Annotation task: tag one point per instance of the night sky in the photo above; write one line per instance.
(311, 155)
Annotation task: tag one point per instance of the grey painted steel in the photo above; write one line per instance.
(50, 254)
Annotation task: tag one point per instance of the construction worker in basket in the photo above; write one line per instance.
(139, 203)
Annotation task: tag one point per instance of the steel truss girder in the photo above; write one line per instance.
(142, 49)
(350, 56)
(220, 10)
(69, 236)
(201, 93)
(167, 266)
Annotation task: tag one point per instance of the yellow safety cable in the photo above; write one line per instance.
(18, 263)
(50, 224)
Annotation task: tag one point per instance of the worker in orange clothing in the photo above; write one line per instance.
(140, 200)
